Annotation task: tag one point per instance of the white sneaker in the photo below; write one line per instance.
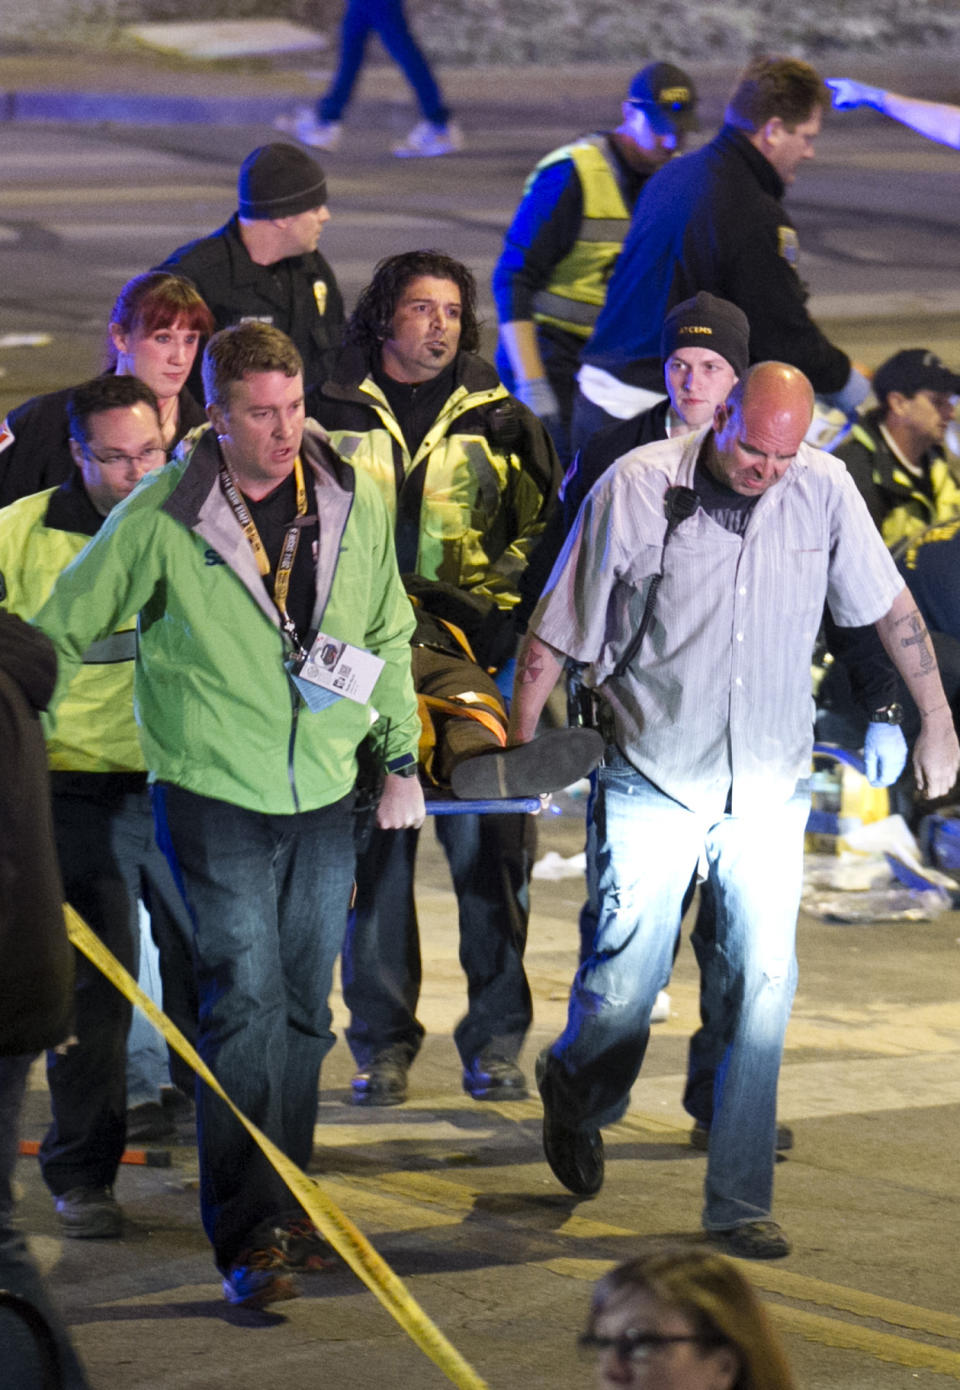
(427, 139)
(661, 1008)
(319, 135)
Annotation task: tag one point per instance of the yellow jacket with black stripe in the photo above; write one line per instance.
(475, 494)
(577, 288)
(901, 504)
(39, 536)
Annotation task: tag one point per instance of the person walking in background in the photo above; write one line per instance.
(323, 127)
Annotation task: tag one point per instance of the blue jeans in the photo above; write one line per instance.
(644, 850)
(269, 897)
(387, 18)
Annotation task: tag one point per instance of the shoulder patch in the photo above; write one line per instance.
(788, 244)
(6, 436)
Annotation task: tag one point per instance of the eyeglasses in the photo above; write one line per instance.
(630, 1346)
(147, 458)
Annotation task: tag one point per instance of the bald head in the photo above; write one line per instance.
(760, 427)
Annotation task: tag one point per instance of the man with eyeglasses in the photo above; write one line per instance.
(102, 817)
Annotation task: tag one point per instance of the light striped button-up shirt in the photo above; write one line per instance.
(718, 699)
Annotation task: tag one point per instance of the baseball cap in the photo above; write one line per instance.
(708, 322)
(667, 97)
(913, 370)
(279, 181)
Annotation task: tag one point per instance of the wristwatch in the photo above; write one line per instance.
(888, 714)
(404, 766)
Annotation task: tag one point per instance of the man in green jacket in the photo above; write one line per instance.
(253, 560)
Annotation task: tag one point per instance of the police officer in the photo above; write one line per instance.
(264, 264)
(714, 220)
(566, 234)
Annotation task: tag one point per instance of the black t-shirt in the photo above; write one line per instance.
(728, 509)
(272, 516)
(415, 406)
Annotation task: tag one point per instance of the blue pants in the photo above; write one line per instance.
(387, 18)
(268, 896)
(644, 850)
(490, 858)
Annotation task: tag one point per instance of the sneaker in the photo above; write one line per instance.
(491, 1076)
(700, 1137)
(259, 1276)
(755, 1240)
(427, 139)
(384, 1080)
(89, 1213)
(304, 126)
(150, 1123)
(298, 1244)
(546, 764)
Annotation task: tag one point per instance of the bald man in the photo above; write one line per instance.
(703, 693)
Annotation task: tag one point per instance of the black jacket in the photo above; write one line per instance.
(36, 961)
(712, 220)
(589, 465)
(299, 295)
(35, 443)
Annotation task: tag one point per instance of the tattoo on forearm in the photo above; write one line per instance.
(530, 667)
(919, 638)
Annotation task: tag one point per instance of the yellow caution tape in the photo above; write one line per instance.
(332, 1223)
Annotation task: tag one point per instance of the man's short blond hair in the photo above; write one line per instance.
(234, 353)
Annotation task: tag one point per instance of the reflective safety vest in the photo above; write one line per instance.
(95, 729)
(578, 286)
(917, 511)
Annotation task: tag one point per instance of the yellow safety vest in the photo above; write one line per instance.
(95, 728)
(578, 286)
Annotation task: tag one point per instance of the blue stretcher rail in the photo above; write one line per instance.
(444, 805)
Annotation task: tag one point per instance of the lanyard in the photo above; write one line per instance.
(288, 551)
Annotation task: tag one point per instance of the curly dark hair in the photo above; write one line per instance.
(370, 321)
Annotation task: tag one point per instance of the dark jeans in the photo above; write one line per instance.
(490, 859)
(587, 417)
(103, 841)
(268, 896)
(387, 18)
(18, 1274)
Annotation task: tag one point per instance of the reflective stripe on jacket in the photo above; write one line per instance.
(486, 472)
(578, 285)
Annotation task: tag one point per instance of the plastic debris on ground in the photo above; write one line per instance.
(877, 875)
(554, 866)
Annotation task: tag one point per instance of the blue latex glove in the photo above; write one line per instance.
(851, 395)
(884, 753)
(539, 396)
(504, 679)
(847, 94)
